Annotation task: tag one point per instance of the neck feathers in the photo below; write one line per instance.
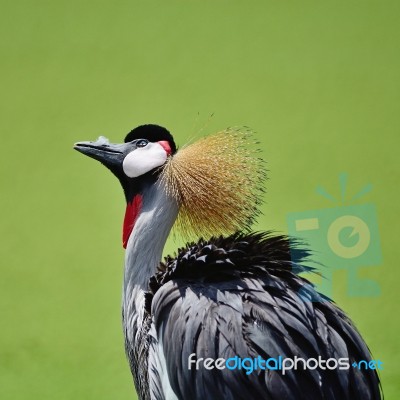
(145, 245)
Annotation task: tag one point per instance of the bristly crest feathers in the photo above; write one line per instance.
(218, 182)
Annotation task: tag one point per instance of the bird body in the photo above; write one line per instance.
(235, 296)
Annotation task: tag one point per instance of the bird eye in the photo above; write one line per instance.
(142, 143)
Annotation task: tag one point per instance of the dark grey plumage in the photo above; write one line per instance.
(242, 295)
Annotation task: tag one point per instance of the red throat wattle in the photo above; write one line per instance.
(131, 214)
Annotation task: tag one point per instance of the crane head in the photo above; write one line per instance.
(217, 181)
(145, 148)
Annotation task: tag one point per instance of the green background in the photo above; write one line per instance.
(319, 82)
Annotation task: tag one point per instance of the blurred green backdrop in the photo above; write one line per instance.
(319, 82)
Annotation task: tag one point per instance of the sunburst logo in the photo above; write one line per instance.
(343, 237)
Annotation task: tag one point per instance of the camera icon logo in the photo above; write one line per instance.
(358, 228)
(340, 238)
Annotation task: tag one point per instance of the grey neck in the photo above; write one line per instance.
(144, 252)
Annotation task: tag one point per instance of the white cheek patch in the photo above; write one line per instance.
(144, 159)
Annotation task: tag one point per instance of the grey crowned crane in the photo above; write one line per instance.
(218, 320)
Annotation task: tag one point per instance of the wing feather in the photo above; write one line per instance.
(216, 301)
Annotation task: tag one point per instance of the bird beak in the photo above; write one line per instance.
(109, 154)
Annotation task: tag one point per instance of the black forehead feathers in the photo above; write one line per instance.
(153, 133)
